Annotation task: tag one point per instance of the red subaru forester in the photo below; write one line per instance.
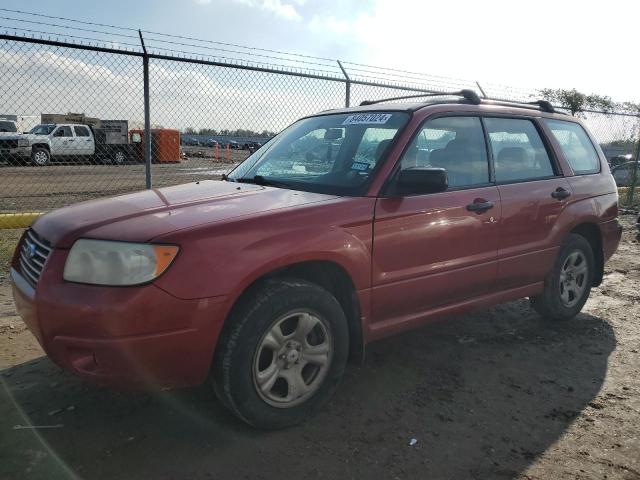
(348, 226)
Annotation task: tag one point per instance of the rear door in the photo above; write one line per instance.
(437, 249)
(533, 193)
(83, 144)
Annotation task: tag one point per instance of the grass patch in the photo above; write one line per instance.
(8, 241)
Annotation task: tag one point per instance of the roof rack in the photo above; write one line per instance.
(473, 98)
(468, 94)
(542, 105)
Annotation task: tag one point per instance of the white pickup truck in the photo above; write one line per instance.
(70, 142)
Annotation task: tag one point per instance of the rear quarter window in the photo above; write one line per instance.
(576, 146)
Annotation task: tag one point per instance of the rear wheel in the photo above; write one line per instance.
(40, 156)
(283, 354)
(567, 287)
(118, 157)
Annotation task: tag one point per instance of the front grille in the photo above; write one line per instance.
(8, 143)
(34, 251)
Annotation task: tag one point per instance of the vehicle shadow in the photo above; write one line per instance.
(483, 395)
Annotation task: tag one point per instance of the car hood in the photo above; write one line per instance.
(11, 135)
(145, 215)
(29, 136)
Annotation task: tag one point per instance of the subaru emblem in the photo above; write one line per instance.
(31, 250)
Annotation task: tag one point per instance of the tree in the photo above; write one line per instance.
(630, 107)
(576, 101)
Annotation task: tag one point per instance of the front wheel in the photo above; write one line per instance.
(40, 156)
(283, 354)
(567, 287)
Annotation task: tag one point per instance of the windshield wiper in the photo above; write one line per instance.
(266, 182)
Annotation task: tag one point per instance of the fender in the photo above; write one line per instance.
(596, 210)
(224, 259)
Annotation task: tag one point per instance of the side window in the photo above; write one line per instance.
(81, 131)
(576, 146)
(63, 131)
(455, 144)
(518, 151)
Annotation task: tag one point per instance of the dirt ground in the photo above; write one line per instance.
(501, 393)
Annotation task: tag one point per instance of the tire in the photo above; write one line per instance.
(251, 353)
(118, 157)
(567, 287)
(40, 157)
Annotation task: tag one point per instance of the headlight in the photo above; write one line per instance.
(102, 262)
(23, 142)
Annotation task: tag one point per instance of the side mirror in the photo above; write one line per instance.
(421, 180)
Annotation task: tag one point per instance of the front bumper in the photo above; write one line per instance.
(20, 152)
(124, 337)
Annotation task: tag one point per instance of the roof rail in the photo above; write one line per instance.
(473, 98)
(542, 105)
(468, 94)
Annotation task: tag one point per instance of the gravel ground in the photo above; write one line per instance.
(500, 393)
(37, 189)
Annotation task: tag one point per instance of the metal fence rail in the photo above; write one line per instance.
(157, 118)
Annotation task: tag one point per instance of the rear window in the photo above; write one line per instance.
(576, 146)
(82, 131)
(518, 151)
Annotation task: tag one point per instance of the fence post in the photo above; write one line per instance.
(347, 93)
(147, 115)
(634, 174)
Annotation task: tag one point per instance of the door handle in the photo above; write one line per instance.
(479, 206)
(560, 193)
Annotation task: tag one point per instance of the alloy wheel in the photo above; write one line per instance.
(41, 157)
(573, 278)
(292, 359)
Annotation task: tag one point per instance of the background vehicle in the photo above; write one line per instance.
(624, 173)
(189, 141)
(8, 126)
(350, 226)
(71, 137)
(620, 159)
(251, 145)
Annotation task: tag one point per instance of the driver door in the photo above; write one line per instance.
(439, 249)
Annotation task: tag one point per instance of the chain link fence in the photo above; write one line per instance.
(111, 119)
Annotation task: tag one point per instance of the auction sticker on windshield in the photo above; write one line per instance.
(368, 118)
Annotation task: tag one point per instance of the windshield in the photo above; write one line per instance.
(333, 154)
(42, 129)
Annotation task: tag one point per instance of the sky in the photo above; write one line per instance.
(590, 46)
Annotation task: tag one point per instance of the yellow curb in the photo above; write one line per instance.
(17, 220)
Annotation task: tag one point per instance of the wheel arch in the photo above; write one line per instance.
(41, 145)
(591, 232)
(327, 274)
